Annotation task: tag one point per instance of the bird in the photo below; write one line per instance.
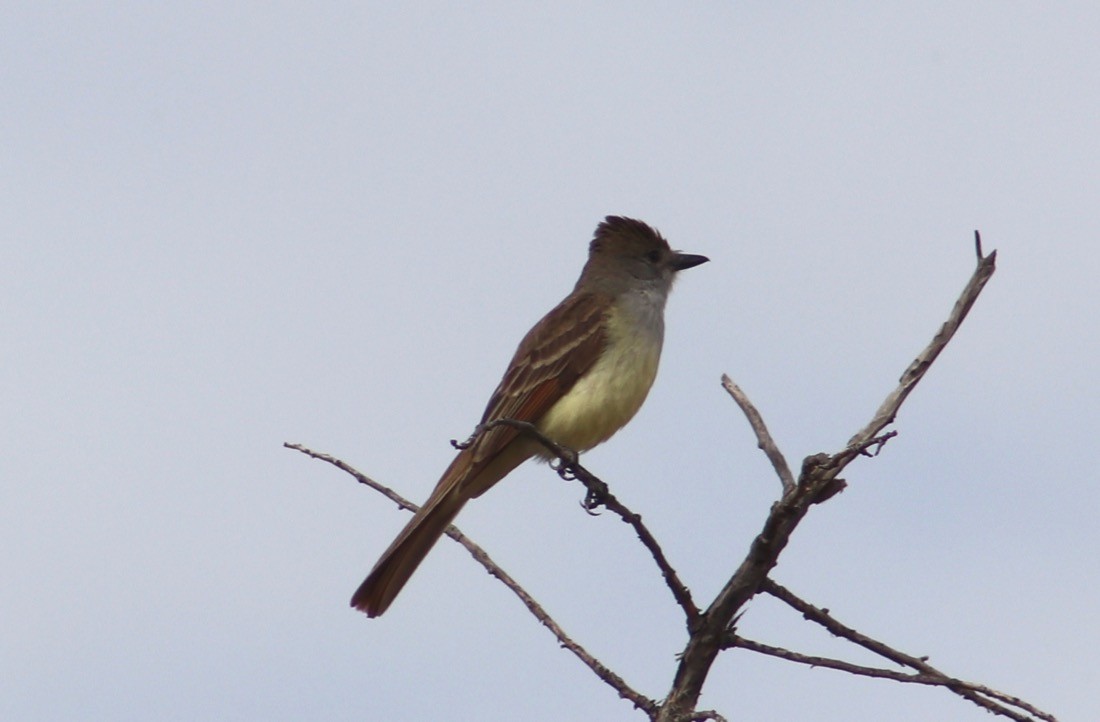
(579, 375)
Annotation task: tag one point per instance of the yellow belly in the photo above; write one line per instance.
(612, 391)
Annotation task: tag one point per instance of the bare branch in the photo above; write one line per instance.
(737, 641)
(817, 481)
(599, 494)
(821, 616)
(672, 580)
(764, 439)
(624, 690)
(703, 646)
(616, 682)
(402, 503)
(976, 693)
(877, 672)
(888, 411)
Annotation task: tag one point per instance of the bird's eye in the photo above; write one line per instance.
(653, 256)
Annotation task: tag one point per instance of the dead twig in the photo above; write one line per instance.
(764, 440)
(616, 682)
(598, 494)
(927, 674)
(888, 410)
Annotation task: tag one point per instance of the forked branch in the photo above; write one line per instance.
(818, 481)
(992, 700)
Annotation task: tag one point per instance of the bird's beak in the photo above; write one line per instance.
(684, 261)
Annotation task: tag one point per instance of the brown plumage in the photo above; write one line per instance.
(547, 363)
(561, 348)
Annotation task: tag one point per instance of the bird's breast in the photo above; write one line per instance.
(614, 388)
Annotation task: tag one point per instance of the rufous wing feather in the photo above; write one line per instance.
(549, 360)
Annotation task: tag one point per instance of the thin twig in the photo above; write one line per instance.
(764, 440)
(616, 682)
(600, 495)
(624, 690)
(935, 680)
(402, 503)
(737, 641)
(888, 410)
(976, 693)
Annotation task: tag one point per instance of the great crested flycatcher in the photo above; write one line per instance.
(579, 375)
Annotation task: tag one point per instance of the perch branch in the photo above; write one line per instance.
(615, 681)
(569, 468)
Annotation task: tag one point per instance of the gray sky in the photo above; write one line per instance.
(229, 227)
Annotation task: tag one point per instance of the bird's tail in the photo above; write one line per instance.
(398, 563)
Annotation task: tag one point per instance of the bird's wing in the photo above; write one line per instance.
(552, 356)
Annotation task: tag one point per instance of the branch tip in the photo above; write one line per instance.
(764, 440)
(613, 680)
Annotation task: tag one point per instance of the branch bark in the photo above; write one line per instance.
(818, 481)
(764, 439)
(616, 682)
(598, 494)
(926, 674)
